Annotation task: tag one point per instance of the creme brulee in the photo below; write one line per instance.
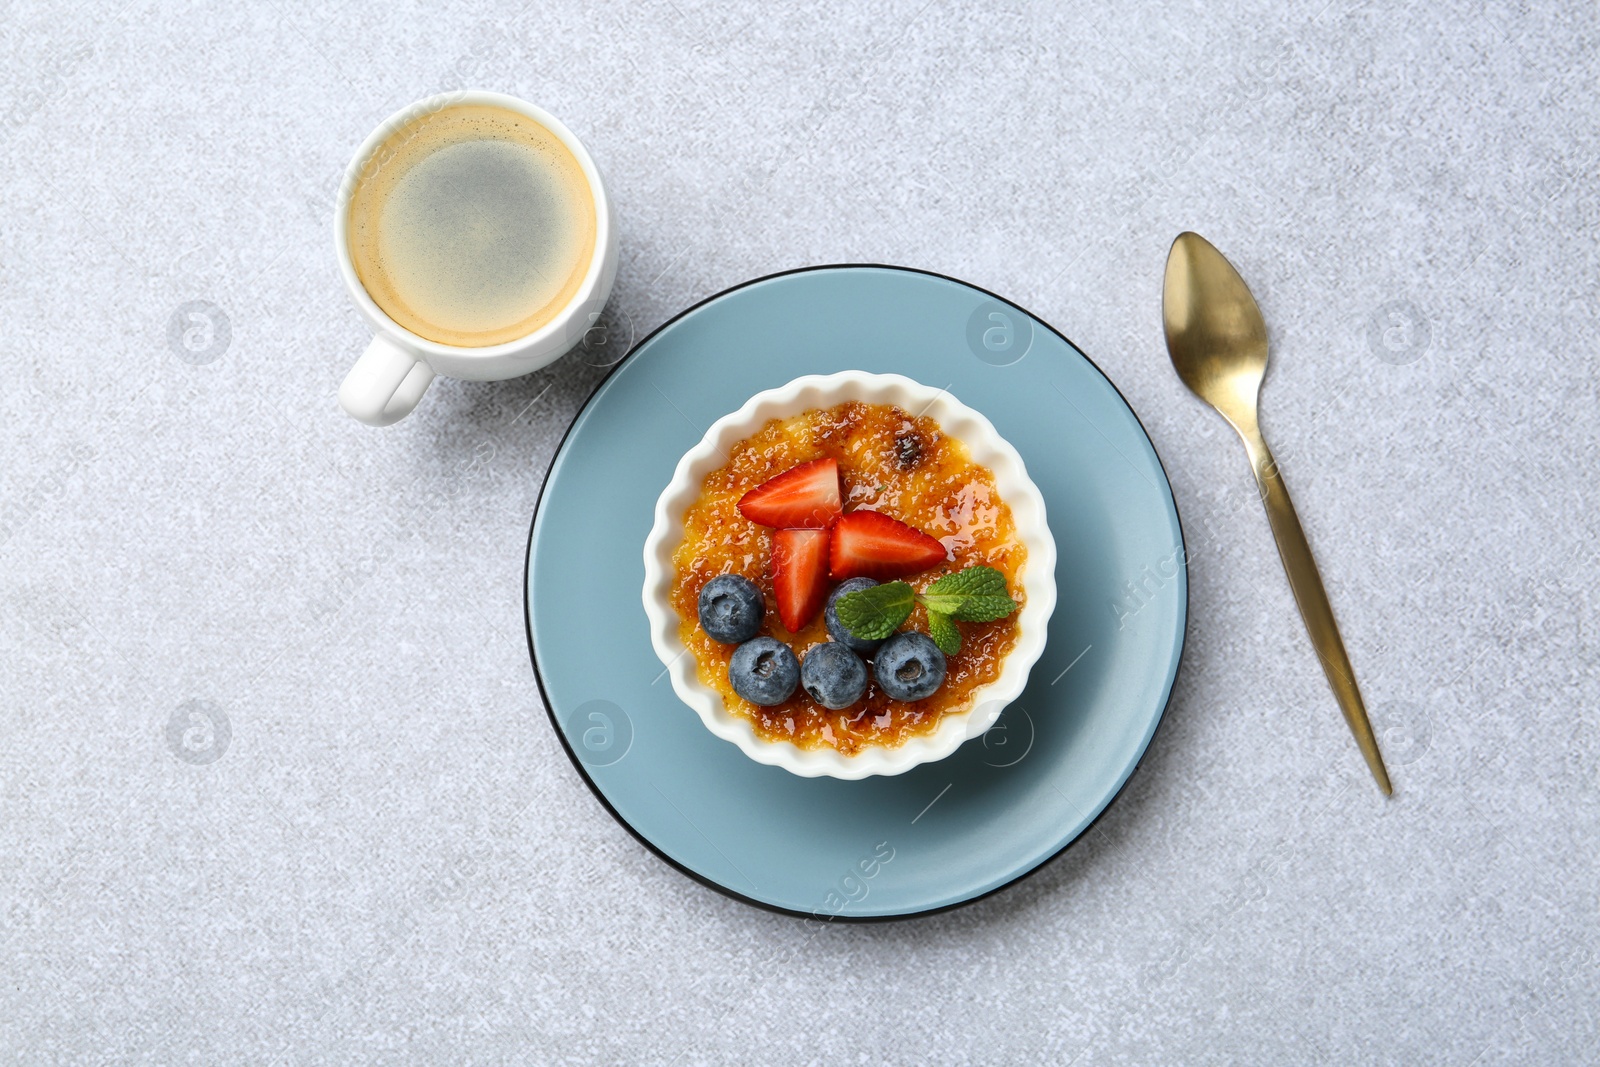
(893, 462)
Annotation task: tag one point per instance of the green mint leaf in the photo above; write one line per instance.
(873, 614)
(945, 634)
(985, 608)
(974, 581)
(977, 594)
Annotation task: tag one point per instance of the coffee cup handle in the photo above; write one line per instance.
(385, 384)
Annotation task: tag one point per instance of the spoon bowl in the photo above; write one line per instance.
(1215, 333)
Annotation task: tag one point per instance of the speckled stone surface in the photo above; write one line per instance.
(275, 781)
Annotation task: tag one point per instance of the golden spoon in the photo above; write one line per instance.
(1218, 343)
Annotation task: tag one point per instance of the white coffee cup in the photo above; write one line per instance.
(396, 369)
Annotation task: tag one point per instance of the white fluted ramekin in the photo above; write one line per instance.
(984, 445)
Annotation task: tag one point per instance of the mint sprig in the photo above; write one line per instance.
(977, 594)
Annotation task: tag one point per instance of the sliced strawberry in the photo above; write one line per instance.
(869, 544)
(806, 497)
(799, 575)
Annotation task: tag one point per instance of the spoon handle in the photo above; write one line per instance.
(1301, 568)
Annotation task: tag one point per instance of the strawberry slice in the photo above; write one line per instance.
(869, 544)
(799, 575)
(806, 497)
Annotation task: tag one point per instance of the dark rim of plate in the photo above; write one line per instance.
(533, 656)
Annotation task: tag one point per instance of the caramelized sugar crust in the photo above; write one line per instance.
(893, 462)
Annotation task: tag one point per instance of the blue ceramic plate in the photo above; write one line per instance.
(943, 833)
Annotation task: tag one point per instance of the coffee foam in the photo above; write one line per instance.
(472, 226)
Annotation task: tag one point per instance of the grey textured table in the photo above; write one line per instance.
(275, 780)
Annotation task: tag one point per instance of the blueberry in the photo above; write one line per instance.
(731, 609)
(836, 628)
(909, 666)
(764, 671)
(833, 675)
